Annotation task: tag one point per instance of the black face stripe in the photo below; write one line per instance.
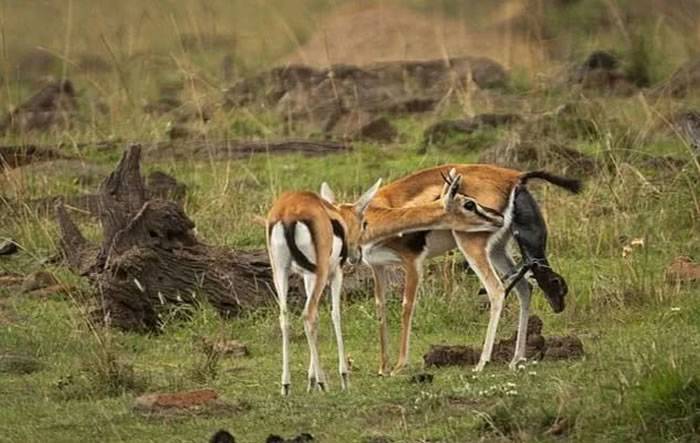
(479, 205)
(338, 231)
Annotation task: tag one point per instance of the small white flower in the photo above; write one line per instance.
(532, 373)
(675, 309)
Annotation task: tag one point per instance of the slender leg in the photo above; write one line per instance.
(280, 261)
(311, 326)
(413, 278)
(473, 246)
(336, 285)
(505, 266)
(380, 283)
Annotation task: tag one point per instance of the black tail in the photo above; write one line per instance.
(570, 184)
(297, 255)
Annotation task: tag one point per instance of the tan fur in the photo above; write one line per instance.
(489, 185)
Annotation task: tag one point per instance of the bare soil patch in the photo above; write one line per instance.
(538, 348)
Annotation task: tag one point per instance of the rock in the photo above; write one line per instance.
(178, 400)
(16, 156)
(306, 93)
(18, 364)
(53, 105)
(422, 378)
(8, 247)
(688, 124)
(538, 347)
(304, 437)
(601, 71)
(439, 131)
(684, 81)
(38, 280)
(357, 125)
(229, 348)
(683, 270)
(563, 348)
(530, 154)
(222, 436)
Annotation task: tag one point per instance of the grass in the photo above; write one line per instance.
(637, 382)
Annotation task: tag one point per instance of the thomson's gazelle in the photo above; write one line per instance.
(312, 235)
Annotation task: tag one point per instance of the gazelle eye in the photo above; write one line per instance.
(364, 225)
(469, 205)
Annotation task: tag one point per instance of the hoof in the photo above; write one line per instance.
(285, 389)
(344, 382)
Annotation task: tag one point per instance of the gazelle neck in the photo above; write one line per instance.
(383, 223)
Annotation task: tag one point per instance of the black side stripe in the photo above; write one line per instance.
(298, 256)
(338, 231)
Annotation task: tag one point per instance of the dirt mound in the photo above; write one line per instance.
(685, 81)
(322, 97)
(53, 105)
(602, 71)
(538, 348)
(361, 33)
(16, 156)
(531, 154)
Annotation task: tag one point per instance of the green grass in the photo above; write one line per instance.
(639, 380)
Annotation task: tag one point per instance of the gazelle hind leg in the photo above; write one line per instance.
(380, 284)
(280, 260)
(412, 281)
(505, 266)
(315, 377)
(336, 286)
(474, 248)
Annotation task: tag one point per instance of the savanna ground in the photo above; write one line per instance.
(640, 378)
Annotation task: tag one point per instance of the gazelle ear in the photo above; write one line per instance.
(362, 203)
(326, 193)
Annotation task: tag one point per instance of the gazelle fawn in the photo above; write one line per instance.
(313, 236)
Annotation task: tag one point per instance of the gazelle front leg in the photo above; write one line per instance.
(474, 248)
(413, 270)
(336, 285)
(505, 266)
(380, 284)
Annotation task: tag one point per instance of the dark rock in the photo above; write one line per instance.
(54, 105)
(18, 364)
(422, 378)
(441, 130)
(38, 280)
(222, 436)
(306, 93)
(301, 438)
(601, 71)
(684, 81)
(8, 247)
(360, 125)
(529, 154)
(538, 347)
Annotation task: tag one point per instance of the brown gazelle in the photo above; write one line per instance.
(503, 191)
(312, 235)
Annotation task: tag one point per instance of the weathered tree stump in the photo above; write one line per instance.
(149, 259)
